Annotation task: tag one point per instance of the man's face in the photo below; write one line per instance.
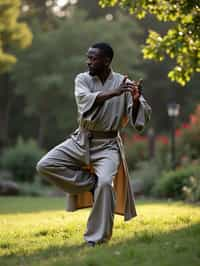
(97, 62)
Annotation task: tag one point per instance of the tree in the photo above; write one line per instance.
(12, 34)
(47, 11)
(182, 40)
(45, 72)
(93, 9)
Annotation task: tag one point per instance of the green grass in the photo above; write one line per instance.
(38, 232)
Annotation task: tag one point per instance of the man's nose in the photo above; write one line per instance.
(88, 62)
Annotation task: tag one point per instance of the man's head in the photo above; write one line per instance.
(99, 56)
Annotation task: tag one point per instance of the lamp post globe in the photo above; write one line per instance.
(173, 110)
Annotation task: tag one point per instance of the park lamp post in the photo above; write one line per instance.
(173, 111)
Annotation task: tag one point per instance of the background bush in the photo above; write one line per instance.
(162, 156)
(35, 189)
(192, 190)
(21, 160)
(136, 151)
(188, 139)
(146, 176)
(173, 184)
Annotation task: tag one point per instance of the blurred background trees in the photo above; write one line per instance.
(12, 34)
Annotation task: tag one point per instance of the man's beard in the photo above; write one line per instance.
(95, 71)
(92, 73)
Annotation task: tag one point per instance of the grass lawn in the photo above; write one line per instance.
(38, 232)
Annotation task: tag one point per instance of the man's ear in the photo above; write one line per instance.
(107, 61)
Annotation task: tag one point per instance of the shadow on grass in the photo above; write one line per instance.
(146, 248)
(13, 205)
(16, 205)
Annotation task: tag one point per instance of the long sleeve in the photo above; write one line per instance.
(143, 114)
(85, 98)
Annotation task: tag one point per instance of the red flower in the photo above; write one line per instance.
(178, 132)
(185, 125)
(193, 119)
(163, 139)
(137, 138)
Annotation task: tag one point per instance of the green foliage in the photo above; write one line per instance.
(189, 144)
(135, 153)
(162, 156)
(21, 160)
(189, 141)
(12, 33)
(192, 190)
(181, 42)
(147, 174)
(173, 183)
(35, 189)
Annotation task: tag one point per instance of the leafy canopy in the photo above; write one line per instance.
(182, 40)
(12, 33)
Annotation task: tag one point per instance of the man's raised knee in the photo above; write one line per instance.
(40, 167)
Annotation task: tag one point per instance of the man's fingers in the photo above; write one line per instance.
(133, 86)
(140, 82)
(130, 84)
(127, 89)
(125, 78)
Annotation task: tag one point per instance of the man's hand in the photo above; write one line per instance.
(124, 87)
(136, 92)
(137, 89)
(134, 87)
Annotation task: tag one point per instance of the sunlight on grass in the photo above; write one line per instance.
(38, 231)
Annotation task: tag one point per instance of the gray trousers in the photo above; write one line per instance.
(63, 166)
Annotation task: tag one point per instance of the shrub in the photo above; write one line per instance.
(188, 141)
(173, 183)
(136, 151)
(192, 190)
(21, 160)
(162, 156)
(147, 174)
(34, 189)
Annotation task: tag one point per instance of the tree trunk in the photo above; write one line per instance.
(42, 129)
(4, 115)
(6, 96)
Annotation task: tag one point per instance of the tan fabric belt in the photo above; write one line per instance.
(92, 134)
(102, 134)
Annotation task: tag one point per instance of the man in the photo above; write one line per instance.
(90, 165)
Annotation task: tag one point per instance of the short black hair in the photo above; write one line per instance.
(105, 48)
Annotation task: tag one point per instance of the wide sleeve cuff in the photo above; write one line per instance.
(143, 114)
(85, 98)
(86, 102)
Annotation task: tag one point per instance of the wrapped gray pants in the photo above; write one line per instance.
(63, 166)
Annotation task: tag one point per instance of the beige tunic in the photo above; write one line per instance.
(112, 115)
